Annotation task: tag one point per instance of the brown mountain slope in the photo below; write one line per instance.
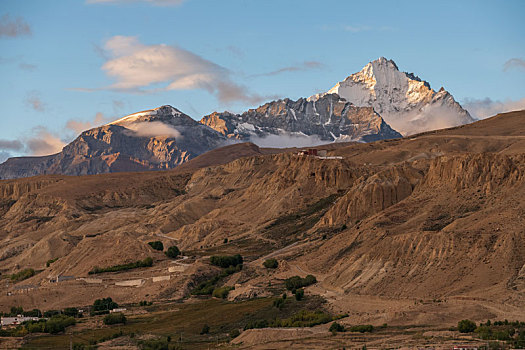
(436, 215)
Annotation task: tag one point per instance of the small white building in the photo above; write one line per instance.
(120, 309)
(14, 321)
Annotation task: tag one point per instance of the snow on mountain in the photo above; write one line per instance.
(403, 100)
(286, 123)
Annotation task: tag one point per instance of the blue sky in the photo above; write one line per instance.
(69, 65)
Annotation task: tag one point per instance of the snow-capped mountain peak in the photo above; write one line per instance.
(405, 101)
(164, 113)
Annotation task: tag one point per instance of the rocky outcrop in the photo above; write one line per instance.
(373, 194)
(327, 119)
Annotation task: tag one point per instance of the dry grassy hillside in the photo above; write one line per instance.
(434, 216)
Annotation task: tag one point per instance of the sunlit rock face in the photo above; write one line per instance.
(403, 100)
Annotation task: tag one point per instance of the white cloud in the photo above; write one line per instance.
(151, 129)
(79, 125)
(13, 28)
(517, 63)
(4, 155)
(136, 67)
(484, 108)
(43, 142)
(152, 2)
(288, 140)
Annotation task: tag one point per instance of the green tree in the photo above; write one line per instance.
(299, 294)
(466, 326)
(336, 327)
(157, 245)
(173, 252)
(271, 263)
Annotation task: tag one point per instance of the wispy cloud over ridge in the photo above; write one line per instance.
(518, 63)
(306, 65)
(484, 108)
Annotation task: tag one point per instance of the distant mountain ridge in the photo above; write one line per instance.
(157, 139)
(377, 103)
(329, 119)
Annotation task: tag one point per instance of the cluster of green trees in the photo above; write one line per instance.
(53, 325)
(22, 275)
(172, 252)
(271, 263)
(511, 332)
(115, 318)
(148, 262)
(225, 261)
(145, 303)
(304, 318)
(102, 306)
(296, 282)
(18, 310)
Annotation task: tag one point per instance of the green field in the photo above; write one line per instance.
(176, 319)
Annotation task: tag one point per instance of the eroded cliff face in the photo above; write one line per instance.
(373, 194)
(458, 229)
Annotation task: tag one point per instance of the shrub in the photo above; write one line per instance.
(336, 327)
(271, 263)
(148, 262)
(157, 245)
(299, 294)
(297, 282)
(226, 260)
(50, 261)
(466, 326)
(362, 328)
(22, 275)
(221, 292)
(173, 252)
(115, 318)
(205, 329)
